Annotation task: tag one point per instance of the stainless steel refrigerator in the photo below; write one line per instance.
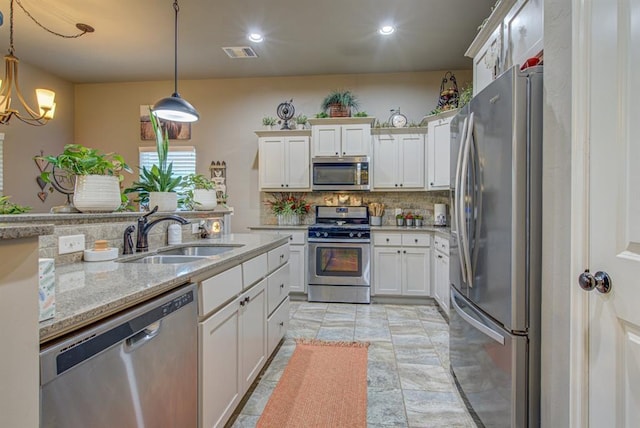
(494, 342)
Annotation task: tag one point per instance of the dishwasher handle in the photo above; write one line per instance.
(142, 337)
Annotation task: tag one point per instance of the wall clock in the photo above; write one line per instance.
(397, 119)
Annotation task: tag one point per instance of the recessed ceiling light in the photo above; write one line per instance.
(255, 37)
(385, 30)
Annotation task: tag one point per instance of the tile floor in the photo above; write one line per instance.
(409, 384)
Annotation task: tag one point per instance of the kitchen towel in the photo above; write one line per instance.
(47, 288)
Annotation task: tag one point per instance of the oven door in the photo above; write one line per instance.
(339, 263)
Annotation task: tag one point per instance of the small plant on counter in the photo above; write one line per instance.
(361, 114)
(80, 160)
(197, 182)
(289, 203)
(399, 220)
(301, 119)
(321, 115)
(7, 207)
(159, 178)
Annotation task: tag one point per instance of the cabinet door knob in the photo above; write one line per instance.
(398, 251)
(281, 323)
(281, 285)
(405, 251)
(337, 153)
(431, 184)
(387, 239)
(242, 302)
(400, 184)
(286, 185)
(344, 153)
(282, 185)
(396, 185)
(416, 240)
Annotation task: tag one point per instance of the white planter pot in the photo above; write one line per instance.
(205, 200)
(166, 201)
(97, 193)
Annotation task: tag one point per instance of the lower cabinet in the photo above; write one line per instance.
(298, 262)
(402, 264)
(441, 272)
(236, 339)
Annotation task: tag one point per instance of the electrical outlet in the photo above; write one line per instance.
(398, 211)
(195, 228)
(70, 244)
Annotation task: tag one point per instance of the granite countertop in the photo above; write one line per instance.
(278, 227)
(24, 230)
(392, 228)
(89, 291)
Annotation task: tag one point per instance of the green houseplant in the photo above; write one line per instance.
(301, 121)
(200, 193)
(268, 122)
(340, 103)
(7, 207)
(289, 208)
(399, 220)
(97, 176)
(157, 185)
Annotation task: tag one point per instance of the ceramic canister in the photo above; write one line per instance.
(440, 214)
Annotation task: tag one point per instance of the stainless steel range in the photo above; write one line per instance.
(340, 255)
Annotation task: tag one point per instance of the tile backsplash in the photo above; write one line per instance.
(416, 202)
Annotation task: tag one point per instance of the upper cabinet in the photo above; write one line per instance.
(399, 159)
(284, 160)
(438, 147)
(512, 34)
(350, 136)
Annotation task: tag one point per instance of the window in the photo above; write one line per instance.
(183, 158)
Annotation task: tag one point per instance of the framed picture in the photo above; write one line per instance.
(177, 130)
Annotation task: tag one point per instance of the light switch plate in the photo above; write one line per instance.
(70, 244)
(398, 211)
(195, 228)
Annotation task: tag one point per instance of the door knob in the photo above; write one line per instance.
(601, 281)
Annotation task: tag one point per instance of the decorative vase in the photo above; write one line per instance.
(205, 199)
(97, 193)
(399, 221)
(166, 201)
(338, 110)
(288, 219)
(409, 222)
(418, 222)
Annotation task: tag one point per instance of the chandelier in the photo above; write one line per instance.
(9, 86)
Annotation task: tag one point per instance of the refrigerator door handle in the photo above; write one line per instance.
(478, 324)
(463, 232)
(458, 195)
(477, 224)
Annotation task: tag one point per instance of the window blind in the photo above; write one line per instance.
(183, 158)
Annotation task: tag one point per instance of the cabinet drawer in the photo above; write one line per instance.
(392, 239)
(295, 237)
(278, 257)
(253, 270)
(416, 239)
(441, 244)
(278, 286)
(277, 325)
(218, 289)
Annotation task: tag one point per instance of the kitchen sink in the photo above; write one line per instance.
(199, 251)
(167, 259)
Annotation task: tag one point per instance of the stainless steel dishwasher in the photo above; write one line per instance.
(136, 369)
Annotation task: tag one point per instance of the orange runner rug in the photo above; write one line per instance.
(324, 385)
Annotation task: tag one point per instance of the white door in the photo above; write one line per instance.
(416, 271)
(439, 136)
(611, 129)
(411, 159)
(272, 163)
(385, 158)
(326, 140)
(297, 163)
(356, 140)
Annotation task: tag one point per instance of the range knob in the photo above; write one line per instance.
(351, 234)
(317, 234)
(325, 234)
(359, 234)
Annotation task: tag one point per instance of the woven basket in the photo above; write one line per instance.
(338, 110)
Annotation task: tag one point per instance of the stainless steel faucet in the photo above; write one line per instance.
(144, 226)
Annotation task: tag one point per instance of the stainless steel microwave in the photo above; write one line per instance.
(345, 173)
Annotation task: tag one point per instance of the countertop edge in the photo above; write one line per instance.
(24, 230)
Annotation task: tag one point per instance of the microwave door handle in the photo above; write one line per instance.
(463, 232)
(458, 195)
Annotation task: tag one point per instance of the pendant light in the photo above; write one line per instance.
(175, 108)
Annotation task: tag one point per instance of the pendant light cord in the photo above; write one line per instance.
(175, 48)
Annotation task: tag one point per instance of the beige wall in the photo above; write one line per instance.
(232, 109)
(22, 142)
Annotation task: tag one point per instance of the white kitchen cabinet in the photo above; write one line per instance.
(253, 333)
(441, 272)
(284, 161)
(402, 264)
(298, 250)
(512, 34)
(399, 161)
(438, 146)
(341, 136)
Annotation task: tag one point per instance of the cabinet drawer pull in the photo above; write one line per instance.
(398, 251)
(281, 323)
(387, 239)
(242, 302)
(439, 256)
(416, 240)
(405, 251)
(246, 299)
(281, 285)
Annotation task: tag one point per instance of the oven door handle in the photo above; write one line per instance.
(336, 241)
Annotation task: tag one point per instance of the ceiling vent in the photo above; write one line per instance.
(240, 52)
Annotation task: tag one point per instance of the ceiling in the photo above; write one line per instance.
(133, 40)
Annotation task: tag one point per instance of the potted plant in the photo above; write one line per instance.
(289, 208)
(158, 186)
(268, 122)
(409, 219)
(418, 220)
(301, 121)
(7, 207)
(361, 114)
(200, 193)
(399, 220)
(97, 176)
(340, 103)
